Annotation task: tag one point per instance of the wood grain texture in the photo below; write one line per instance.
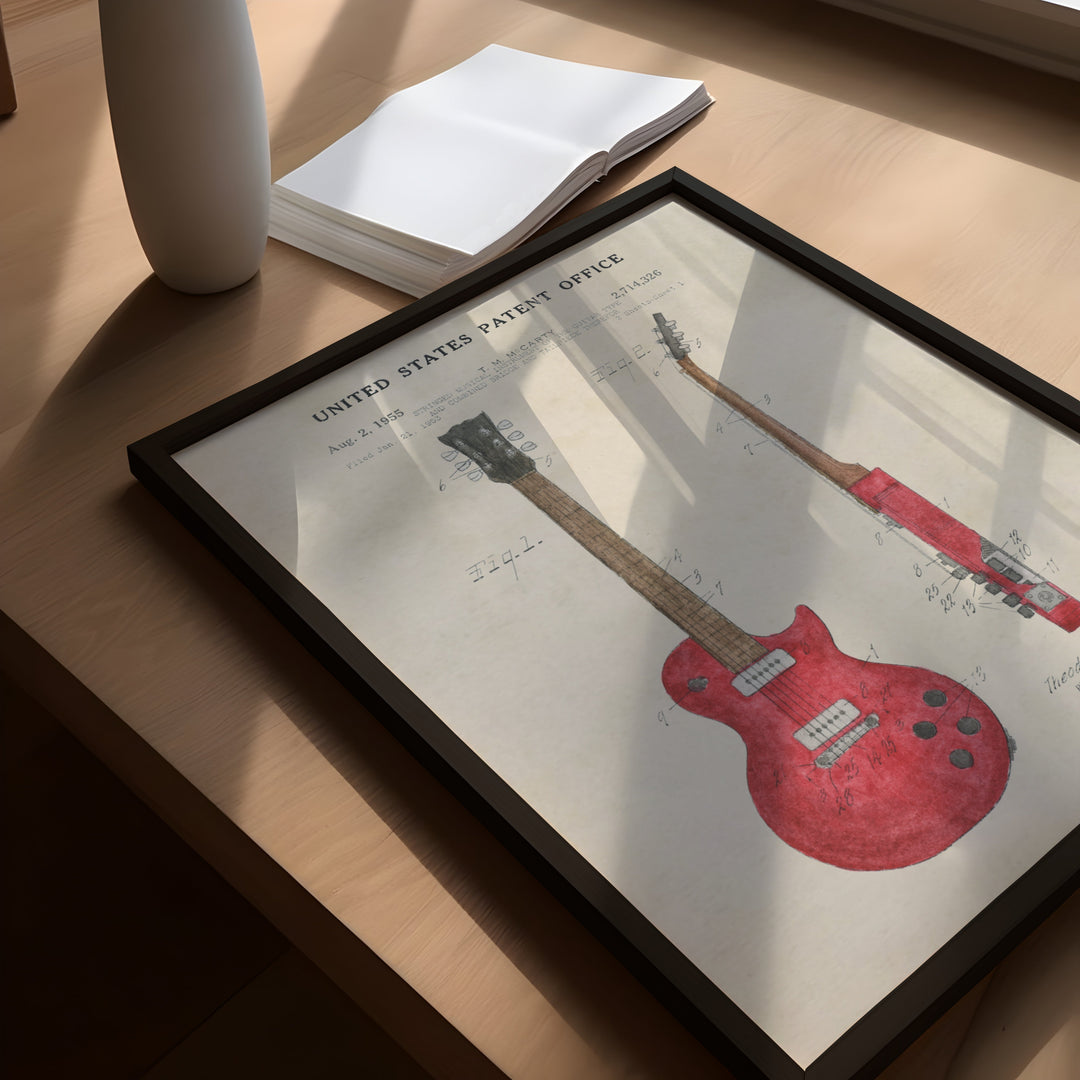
(8, 102)
(948, 177)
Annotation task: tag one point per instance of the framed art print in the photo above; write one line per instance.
(739, 596)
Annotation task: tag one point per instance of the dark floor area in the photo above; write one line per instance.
(124, 954)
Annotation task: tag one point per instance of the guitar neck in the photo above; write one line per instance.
(718, 636)
(842, 473)
(960, 548)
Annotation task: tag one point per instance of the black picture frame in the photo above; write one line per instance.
(702, 1005)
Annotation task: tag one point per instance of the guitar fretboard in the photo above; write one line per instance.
(718, 636)
(841, 473)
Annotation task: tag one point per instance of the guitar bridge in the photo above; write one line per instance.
(830, 757)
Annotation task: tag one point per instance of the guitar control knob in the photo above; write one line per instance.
(959, 572)
(961, 759)
(967, 725)
(1044, 595)
(935, 698)
(696, 685)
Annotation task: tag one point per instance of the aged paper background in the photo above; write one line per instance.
(548, 665)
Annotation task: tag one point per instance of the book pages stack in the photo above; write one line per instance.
(447, 174)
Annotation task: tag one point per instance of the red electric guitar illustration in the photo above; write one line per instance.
(866, 766)
(961, 550)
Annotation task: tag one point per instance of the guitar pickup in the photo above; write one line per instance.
(762, 672)
(827, 724)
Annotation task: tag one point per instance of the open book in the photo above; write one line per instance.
(451, 172)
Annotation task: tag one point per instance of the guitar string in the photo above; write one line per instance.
(794, 696)
(842, 474)
(791, 682)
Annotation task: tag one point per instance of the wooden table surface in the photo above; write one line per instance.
(948, 177)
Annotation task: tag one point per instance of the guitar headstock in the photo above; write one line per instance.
(672, 338)
(479, 440)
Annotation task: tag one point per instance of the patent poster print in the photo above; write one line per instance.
(792, 698)
(807, 718)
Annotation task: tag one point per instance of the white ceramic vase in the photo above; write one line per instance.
(189, 122)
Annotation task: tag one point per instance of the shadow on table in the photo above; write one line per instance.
(926, 82)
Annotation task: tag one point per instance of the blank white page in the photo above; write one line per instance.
(461, 159)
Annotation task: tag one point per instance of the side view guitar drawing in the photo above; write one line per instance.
(961, 550)
(866, 766)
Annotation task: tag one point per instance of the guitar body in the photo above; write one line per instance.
(1003, 575)
(866, 766)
